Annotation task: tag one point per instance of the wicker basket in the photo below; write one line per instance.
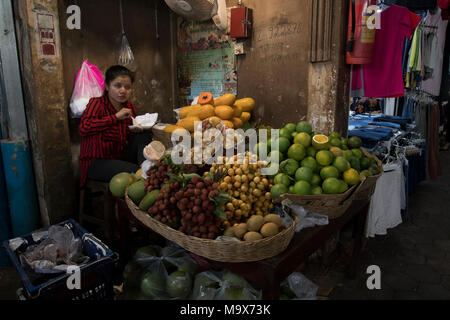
(225, 251)
(331, 205)
(368, 184)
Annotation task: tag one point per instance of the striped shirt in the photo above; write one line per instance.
(103, 136)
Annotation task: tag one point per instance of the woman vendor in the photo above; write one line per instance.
(108, 146)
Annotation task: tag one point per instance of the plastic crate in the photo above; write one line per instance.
(96, 275)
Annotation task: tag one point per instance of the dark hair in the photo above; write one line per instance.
(117, 71)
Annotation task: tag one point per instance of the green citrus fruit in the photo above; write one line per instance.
(296, 152)
(341, 164)
(291, 189)
(324, 157)
(336, 151)
(358, 153)
(277, 190)
(285, 133)
(282, 178)
(348, 155)
(309, 162)
(304, 173)
(334, 134)
(311, 151)
(291, 127)
(329, 172)
(354, 142)
(283, 144)
(364, 162)
(302, 187)
(304, 126)
(344, 186)
(289, 166)
(335, 142)
(316, 190)
(351, 176)
(273, 154)
(303, 138)
(320, 142)
(331, 186)
(316, 180)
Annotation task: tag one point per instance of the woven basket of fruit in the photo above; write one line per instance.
(373, 170)
(218, 250)
(206, 214)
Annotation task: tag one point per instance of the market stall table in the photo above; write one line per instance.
(267, 274)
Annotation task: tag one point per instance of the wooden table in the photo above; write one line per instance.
(267, 274)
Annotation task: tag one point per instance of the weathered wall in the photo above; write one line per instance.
(99, 41)
(276, 70)
(44, 95)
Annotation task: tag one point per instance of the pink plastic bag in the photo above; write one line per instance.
(89, 84)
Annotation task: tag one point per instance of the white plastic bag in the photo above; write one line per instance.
(88, 84)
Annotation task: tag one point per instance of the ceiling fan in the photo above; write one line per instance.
(201, 10)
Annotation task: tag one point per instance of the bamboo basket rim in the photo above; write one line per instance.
(190, 243)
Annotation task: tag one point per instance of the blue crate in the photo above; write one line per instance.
(96, 275)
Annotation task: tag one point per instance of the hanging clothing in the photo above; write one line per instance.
(389, 106)
(383, 76)
(433, 84)
(414, 5)
(386, 203)
(445, 7)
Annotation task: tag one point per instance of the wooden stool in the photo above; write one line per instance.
(98, 207)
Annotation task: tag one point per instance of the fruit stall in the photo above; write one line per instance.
(229, 211)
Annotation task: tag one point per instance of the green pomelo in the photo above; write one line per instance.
(304, 126)
(282, 178)
(331, 186)
(302, 187)
(119, 183)
(329, 172)
(277, 190)
(309, 162)
(303, 138)
(324, 157)
(354, 142)
(296, 152)
(289, 166)
(304, 173)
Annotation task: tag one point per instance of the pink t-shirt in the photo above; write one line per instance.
(383, 76)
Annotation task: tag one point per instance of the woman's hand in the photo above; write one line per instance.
(124, 113)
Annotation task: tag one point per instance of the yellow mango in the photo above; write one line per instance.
(171, 128)
(237, 111)
(229, 124)
(225, 100)
(188, 123)
(246, 104)
(203, 112)
(224, 112)
(183, 113)
(245, 116)
(237, 123)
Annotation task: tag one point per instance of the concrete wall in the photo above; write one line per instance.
(44, 98)
(276, 70)
(99, 41)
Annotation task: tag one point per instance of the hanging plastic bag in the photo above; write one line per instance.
(126, 57)
(89, 84)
